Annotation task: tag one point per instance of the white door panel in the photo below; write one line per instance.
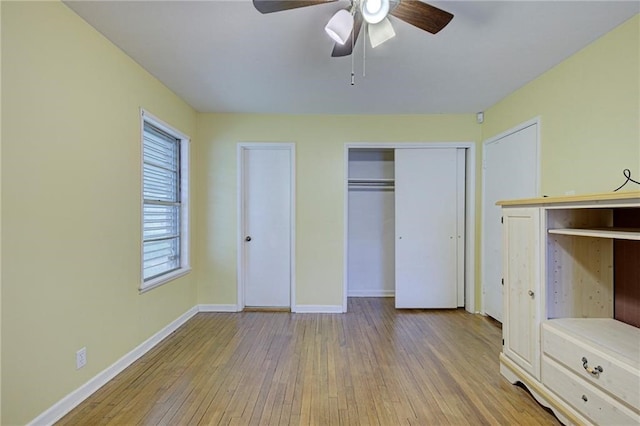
(267, 227)
(510, 171)
(426, 185)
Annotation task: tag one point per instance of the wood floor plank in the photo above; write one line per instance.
(374, 365)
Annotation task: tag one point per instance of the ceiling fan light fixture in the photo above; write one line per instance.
(380, 32)
(374, 11)
(340, 26)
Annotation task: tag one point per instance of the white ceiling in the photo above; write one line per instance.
(224, 56)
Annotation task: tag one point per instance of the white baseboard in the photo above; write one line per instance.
(317, 309)
(218, 308)
(371, 293)
(69, 402)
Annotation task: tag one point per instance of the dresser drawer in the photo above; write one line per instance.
(592, 403)
(611, 374)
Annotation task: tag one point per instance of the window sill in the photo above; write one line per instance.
(163, 279)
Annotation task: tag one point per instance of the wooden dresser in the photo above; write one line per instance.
(572, 304)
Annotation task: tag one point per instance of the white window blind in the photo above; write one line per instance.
(162, 203)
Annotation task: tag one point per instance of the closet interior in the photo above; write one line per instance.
(371, 227)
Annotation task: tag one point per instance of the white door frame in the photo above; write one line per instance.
(519, 127)
(470, 214)
(242, 148)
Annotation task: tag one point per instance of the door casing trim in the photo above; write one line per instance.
(470, 209)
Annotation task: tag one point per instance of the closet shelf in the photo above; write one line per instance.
(370, 181)
(613, 233)
(371, 187)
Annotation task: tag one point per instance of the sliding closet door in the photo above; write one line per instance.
(426, 201)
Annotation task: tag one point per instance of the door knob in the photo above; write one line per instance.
(247, 238)
(531, 293)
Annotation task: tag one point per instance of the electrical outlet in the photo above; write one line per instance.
(81, 358)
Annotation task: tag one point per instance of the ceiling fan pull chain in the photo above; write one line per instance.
(353, 79)
(364, 48)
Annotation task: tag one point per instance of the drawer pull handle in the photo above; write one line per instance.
(594, 371)
(584, 398)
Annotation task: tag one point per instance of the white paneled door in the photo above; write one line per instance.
(510, 170)
(266, 237)
(428, 221)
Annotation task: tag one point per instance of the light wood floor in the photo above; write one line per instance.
(372, 366)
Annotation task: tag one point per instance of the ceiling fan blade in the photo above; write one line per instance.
(346, 48)
(270, 6)
(422, 15)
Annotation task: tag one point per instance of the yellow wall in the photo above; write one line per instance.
(319, 193)
(590, 115)
(71, 205)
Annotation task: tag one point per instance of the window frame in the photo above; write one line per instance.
(184, 173)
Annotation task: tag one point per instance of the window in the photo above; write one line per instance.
(165, 232)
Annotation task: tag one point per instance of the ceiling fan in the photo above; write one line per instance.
(345, 25)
